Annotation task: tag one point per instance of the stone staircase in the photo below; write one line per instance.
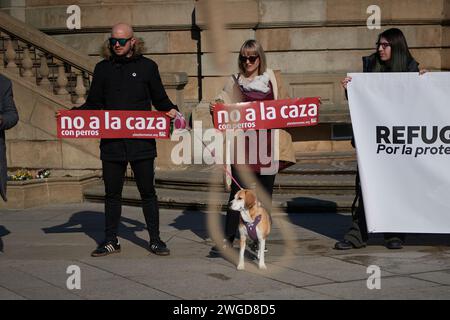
(319, 182)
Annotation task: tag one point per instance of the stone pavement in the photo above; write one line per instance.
(39, 244)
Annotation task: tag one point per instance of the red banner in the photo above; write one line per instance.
(113, 124)
(269, 114)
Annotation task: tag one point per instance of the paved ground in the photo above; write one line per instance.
(39, 244)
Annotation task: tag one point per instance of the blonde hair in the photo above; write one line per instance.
(254, 48)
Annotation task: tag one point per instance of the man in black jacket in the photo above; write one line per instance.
(8, 119)
(125, 80)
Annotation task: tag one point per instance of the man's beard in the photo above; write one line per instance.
(115, 56)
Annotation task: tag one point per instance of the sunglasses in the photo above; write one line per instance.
(122, 42)
(252, 59)
(384, 45)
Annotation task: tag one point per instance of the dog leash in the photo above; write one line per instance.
(180, 124)
(224, 166)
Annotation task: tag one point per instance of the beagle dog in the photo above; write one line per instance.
(254, 223)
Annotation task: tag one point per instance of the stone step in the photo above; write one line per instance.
(308, 186)
(284, 184)
(200, 200)
(325, 157)
(335, 167)
(307, 178)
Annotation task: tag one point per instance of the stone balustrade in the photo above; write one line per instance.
(43, 69)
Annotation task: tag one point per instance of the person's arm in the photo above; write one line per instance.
(95, 99)
(282, 89)
(157, 92)
(226, 95)
(9, 116)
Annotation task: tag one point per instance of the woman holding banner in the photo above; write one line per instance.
(254, 82)
(392, 55)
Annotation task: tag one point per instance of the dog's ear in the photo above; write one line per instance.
(250, 199)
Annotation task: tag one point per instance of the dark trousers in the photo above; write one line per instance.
(114, 176)
(357, 234)
(232, 217)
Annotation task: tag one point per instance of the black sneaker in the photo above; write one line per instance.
(394, 243)
(159, 247)
(106, 248)
(347, 245)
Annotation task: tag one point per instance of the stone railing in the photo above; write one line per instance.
(43, 68)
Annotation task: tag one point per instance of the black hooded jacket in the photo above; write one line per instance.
(9, 118)
(127, 84)
(369, 61)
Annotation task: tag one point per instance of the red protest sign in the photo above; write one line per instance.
(268, 114)
(113, 124)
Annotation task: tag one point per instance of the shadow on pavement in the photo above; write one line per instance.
(427, 239)
(3, 232)
(334, 225)
(194, 221)
(325, 221)
(92, 224)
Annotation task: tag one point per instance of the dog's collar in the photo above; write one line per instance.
(251, 228)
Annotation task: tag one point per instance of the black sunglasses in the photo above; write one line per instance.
(252, 59)
(121, 41)
(384, 45)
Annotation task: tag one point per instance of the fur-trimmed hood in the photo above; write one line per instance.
(139, 49)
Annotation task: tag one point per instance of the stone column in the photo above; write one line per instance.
(44, 72)
(174, 83)
(80, 89)
(62, 82)
(11, 56)
(27, 65)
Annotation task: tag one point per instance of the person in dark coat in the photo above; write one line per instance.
(392, 55)
(8, 119)
(126, 80)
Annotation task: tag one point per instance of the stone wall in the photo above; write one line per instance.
(32, 143)
(300, 36)
(313, 42)
(165, 26)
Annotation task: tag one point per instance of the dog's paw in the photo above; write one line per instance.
(262, 267)
(240, 266)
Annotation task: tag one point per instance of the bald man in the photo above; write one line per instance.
(126, 80)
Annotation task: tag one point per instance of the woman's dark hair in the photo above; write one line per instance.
(400, 55)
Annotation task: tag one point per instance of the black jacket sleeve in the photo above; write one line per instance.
(95, 99)
(8, 113)
(157, 92)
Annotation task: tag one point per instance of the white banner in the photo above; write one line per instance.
(401, 123)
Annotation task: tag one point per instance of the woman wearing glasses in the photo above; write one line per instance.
(392, 55)
(254, 82)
